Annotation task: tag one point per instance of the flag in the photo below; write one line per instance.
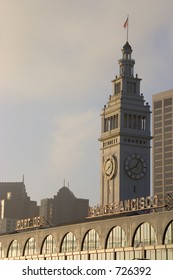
(126, 23)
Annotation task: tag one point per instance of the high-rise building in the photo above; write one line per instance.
(15, 204)
(46, 206)
(125, 137)
(163, 143)
(64, 208)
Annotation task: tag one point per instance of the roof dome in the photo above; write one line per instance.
(64, 191)
(127, 47)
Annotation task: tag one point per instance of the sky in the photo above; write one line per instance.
(57, 60)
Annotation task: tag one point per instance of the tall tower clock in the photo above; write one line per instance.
(125, 137)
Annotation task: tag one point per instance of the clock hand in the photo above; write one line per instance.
(135, 164)
(109, 166)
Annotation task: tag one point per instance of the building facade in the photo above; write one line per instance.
(145, 236)
(46, 206)
(15, 204)
(163, 143)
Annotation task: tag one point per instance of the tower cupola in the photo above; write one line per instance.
(126, 62)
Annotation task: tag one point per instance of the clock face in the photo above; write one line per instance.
(110, 167)
(135, 166)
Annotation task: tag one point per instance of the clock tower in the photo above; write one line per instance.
(125, 137)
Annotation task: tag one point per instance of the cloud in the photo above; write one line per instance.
(71, 140)
(45, 47)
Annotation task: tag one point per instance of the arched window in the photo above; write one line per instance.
(1, 251)
(14, 250)
(49, 245)
(145, 235)
(91, 240)
(168, 238)
(116, 238)
(69, 243)
(30, 247)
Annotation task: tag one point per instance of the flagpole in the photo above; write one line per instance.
(126, 25)
(127, 28)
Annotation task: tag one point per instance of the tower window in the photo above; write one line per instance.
(143, 123)
(117, 88)
(8, 195)
(134, 121)
(111, 123)
(116, 121)
(139, 122)
(125, 120)
(128, 88)
(134, 84)
(131, 87)
(108, 124)
(130, 121)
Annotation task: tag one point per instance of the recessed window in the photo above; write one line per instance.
(30, 247)
(49, 245)
(167, 101)
(8, 195)
(145, 235)
(69, 243)
(91, 241)
(158, 104)
(116, 238)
